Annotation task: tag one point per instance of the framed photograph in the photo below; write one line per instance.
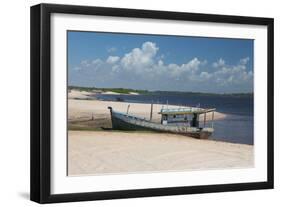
(132, 103)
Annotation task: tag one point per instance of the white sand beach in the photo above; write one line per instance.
(93, 152)
(75, 94)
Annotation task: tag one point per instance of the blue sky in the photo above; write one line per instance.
(158, 62)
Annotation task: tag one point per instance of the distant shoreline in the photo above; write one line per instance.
(127, 91)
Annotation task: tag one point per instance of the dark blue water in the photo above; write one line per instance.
(237, 127)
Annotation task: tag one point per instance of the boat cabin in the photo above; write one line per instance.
(187, 115)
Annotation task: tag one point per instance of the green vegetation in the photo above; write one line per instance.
(80, 88)
(116, 90)
(144, 92)
(124, 90)
(203, 94)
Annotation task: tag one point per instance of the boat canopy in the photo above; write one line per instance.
(185, 110)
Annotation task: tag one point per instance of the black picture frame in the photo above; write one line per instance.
(40, 184)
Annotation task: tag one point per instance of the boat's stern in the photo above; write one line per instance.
(205, 133)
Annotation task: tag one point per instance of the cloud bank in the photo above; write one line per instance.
(145, 68)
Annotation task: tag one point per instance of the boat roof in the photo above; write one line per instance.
(186, 110)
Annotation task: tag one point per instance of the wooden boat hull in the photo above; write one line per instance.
(127, 122)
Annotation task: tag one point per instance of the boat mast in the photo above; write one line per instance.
(151, 110)
(213, 116)
(204, 120)
(128, 108)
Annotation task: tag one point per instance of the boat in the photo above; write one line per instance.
(182, 120)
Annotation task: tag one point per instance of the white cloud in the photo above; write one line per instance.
(192, 66)
(228, 75)
(142, 68)
(112, 59)
(140, 58)
(186, 69)
(85, 63)
(244, 61)
(205, 76)
(97, 62)
(219, 63)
